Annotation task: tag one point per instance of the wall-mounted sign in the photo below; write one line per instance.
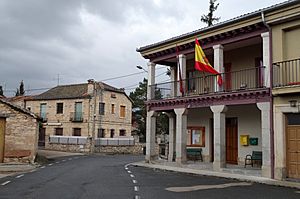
(244, 140)
(253, 141)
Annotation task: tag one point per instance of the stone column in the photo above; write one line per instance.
(172, 136)
(182, 62)
(265, 138)
(218, 63)
(266, 57)
(151, 80)
(150, 135)
(181, 133)
(219, 136)
(279, 145)
(173, 80)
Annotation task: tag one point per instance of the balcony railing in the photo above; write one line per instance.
(286, 73)
(251, 78)
(43, 116)
(76, 117)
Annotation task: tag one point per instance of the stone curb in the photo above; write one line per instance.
(256, 179)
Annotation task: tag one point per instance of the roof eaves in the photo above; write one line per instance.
(221, 24)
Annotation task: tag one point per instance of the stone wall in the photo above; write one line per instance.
(84, 148)
(21, 135)
(135, 149)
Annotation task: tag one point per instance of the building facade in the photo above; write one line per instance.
(232, 120)
(75, 115)
(18, 133)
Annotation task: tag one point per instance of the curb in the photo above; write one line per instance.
(239, 177)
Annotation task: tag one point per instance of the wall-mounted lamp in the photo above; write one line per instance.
(293, 103)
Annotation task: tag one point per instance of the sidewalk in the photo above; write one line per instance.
(48, 154)
(183, 169)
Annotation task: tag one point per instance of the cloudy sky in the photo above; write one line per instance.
(75, 40)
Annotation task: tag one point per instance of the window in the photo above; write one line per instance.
(112, 109)
(122, 111)
(43, 110)
(59, 108)
(196, 136)
(122, 132)
(58, 131)
(112, 133)
(76, 131)
(101, 133)
(101, 108)
(78, 111)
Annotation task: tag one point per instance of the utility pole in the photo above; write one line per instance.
(94, 119)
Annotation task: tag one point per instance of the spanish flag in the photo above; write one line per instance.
(202, 64)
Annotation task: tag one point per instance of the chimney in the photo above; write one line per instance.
(91, 84)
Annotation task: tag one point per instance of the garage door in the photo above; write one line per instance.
(293, 146)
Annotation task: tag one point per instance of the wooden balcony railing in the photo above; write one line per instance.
(286, 73)
(246, 79)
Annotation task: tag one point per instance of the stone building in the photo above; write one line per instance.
(232, 120)
(18, 133)
(75, 115)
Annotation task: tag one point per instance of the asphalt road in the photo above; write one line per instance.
(109, 177)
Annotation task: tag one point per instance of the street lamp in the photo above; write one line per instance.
(141, 68)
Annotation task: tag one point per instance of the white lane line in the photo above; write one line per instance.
(32, 171)
(20, 176)
(64, 160)
(127, 165)
(76, 158)
(134, 181)
(137, 197)
(5, 183)
(131, 175)
(129, 171)
(70, 158)
(57, 162)
(126, 168)
(50, 164)
(136, 188)
(43, 167)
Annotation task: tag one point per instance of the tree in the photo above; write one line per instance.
(1, 91)
(21, 89)
(209, 19)
(17, 92)
(139, 96)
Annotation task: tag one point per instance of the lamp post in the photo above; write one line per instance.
(141, 68)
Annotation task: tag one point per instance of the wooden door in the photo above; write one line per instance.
(42, 132)
(231, 141)
(293, 151)
(228, 86)
(2, 138)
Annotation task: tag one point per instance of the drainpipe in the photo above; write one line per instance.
(271, 97)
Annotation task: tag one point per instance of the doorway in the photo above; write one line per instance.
(231, 140)
(2, 138)
(42, 133)
(293, 146)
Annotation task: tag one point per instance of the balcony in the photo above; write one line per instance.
(286, 74)
(44, 117)
(76, 117)
(235, 81)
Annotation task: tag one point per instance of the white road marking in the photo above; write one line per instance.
(70, 158)
(32, 170)
(136, 188)
(43, 167)
(64, 160)
(129, 171)
(297, 191)
(131, 175)
(57, 162)
(5, 183)
(126, 168)
(50, 164)
(76, 158)
(137, 197)
(20, 176)
(127, 165)
(134, 181)
(205, 187)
